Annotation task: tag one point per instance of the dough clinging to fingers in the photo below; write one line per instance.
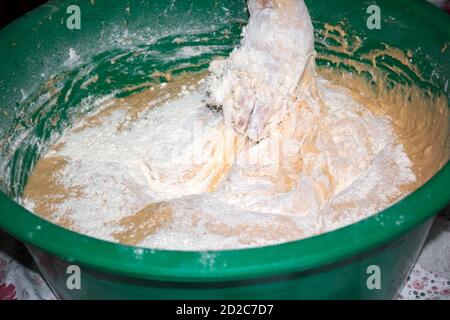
(257, 83)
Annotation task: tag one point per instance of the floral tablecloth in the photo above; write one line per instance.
(430, 278)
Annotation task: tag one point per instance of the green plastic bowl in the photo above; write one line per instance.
(332, 265)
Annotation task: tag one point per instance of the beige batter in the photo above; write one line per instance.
(281, 153)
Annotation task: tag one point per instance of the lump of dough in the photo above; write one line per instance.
(258, 82)
(255, 87)
(188, 151)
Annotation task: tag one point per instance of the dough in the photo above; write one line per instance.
(290, 153)
(258, 83)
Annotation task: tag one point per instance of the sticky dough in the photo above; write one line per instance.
(258, 82)
(288, 155)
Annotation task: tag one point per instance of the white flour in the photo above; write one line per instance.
(183, 176)
(357, 169)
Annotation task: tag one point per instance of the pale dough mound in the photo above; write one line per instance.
(177, 178)
(291, 155)
(258, 82)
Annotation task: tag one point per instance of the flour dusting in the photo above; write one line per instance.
(329, 171)
(262, 152)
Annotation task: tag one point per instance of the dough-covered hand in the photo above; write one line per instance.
(256, 84)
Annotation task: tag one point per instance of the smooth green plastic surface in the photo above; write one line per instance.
(35, 49)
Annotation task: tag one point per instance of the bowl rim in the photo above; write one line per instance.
(220, 265)
(225, 265)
